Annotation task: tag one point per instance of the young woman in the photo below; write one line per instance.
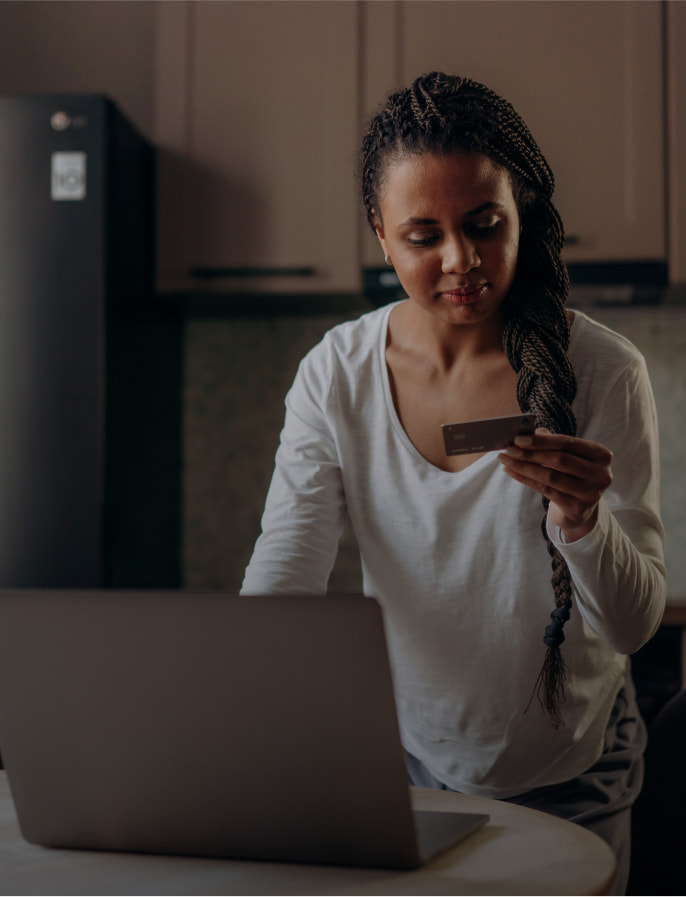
(479, 559)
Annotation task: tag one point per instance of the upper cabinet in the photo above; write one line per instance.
(586, 77)
(257, 121)
(259, 109)
(675, 103)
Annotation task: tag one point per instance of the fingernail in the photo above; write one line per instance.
(523, 440)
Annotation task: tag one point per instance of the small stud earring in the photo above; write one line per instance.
(388, 261)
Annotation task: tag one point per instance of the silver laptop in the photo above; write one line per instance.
(261, 728)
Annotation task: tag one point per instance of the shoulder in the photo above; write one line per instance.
(357, 335)
(612, 378)
(344, 359)
(595, 345)
(348, 345)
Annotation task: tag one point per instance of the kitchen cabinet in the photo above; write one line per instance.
(586, 77)
(259, 108)
(675, 97)
(257, 121)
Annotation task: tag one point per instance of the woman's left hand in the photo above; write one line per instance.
(573, 473)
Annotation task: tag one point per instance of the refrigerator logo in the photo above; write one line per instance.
(60, 121)
(68, 179)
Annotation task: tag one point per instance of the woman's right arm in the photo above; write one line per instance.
(305, 509)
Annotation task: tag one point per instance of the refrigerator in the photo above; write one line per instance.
(90, 367)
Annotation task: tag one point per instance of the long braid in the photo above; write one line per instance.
(536, 337)
(440, 113)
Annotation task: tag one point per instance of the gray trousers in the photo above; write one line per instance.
(600, 799)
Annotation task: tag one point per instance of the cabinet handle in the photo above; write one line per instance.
(237, 271)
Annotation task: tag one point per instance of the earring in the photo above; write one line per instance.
(388, 261)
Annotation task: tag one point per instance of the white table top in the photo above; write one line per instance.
(520, 851)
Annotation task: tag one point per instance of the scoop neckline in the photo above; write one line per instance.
(488, 457)
(396, 423)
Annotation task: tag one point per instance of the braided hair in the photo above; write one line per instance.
(440, 114)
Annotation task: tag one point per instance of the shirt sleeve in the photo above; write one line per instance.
(305, 508)
(618, 568)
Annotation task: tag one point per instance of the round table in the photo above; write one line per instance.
(519, 851)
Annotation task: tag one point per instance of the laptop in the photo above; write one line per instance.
(204, 724)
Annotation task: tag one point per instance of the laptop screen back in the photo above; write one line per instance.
(257, 727)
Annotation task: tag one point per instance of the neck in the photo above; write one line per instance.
(446, 345)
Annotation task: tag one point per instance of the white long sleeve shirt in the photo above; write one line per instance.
(458, 561)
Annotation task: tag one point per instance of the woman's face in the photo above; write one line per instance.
(450, 226)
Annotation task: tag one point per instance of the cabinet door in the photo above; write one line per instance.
(587, 79)
(267, 152)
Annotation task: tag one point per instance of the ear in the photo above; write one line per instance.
(378, 227)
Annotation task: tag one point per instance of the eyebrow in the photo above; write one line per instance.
(484, 207)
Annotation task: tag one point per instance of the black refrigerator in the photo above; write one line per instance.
(90, 367)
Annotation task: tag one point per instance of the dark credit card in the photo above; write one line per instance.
(486, 435)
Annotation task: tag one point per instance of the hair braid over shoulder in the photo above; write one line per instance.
(440, 113)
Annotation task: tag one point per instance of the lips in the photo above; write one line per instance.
(463, 295)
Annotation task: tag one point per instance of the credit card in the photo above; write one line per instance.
(487, 435)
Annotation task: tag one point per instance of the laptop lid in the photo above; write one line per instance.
(259, 727)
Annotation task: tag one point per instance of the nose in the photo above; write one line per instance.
(459, 255)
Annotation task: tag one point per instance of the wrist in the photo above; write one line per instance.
(574, 530)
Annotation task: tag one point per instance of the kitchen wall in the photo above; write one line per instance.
(239, 366)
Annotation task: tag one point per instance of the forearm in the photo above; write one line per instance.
(620, 588)
(288, 562)
(303, 517)
(297, 547)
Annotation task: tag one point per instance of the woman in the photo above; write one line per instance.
(454, 547)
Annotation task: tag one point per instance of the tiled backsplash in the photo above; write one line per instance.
(238, 370)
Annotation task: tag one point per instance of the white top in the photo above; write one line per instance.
(458, 561)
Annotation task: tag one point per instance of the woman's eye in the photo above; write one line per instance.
(421, 239)
(482, 229)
